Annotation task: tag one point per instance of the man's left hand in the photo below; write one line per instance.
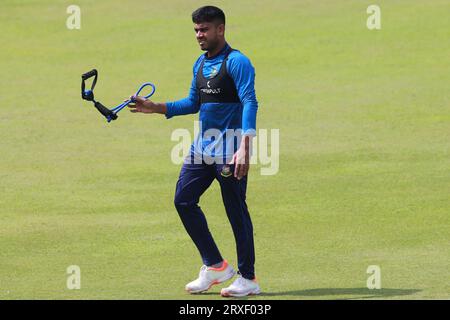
(241, 158)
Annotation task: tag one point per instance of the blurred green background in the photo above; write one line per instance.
(364, 120)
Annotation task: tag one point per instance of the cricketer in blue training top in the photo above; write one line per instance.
(222, 90)
(240, 115)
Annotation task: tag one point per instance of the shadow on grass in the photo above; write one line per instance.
(359, 293)
(340, 293)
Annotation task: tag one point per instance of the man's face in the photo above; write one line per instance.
(208, 35)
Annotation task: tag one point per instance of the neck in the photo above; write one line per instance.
(216, 50)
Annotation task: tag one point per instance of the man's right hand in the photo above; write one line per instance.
(143, 105)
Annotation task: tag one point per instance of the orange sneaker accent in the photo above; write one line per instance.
(223, 267)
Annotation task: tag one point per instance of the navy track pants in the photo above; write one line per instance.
(193, 181)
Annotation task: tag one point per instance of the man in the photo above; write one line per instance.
(223, 91)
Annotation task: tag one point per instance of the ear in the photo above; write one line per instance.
(221, 29)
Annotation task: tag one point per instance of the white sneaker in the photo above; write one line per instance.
(209, 276)
(241, 287)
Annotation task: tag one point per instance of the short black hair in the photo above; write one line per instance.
(208, 14)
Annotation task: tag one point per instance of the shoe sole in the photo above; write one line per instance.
(226, 294)
(218, 281)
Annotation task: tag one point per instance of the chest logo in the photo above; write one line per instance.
(213, 72)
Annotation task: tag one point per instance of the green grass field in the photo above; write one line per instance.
(364, 178)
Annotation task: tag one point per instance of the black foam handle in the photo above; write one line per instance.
(105, 111)
(89, 74)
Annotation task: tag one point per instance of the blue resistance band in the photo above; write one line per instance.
(115, 110)
(109, 114)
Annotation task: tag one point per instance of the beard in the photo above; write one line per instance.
(209, 45)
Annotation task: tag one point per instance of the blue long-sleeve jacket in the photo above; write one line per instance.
(221, 116)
